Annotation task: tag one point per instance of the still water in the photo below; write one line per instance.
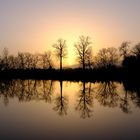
(45, 110)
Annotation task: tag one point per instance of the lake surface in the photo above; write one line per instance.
(45, 110)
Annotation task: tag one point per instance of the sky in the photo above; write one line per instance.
(35, 25)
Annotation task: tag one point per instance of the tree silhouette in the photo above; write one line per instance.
(28, 60)
(136, 50)
(61, 51)
(89, 61)
(4, 58)
(124, 49)
(107, 57)
(35, 61)
(131, 63)
(46, 60)
(12, 62)
(21, 60)
(84, 51)
(85, 101)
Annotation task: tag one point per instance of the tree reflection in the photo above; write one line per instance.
(107, 95)
(125, 103)
(61, 102)
(136, 99)
(47, 90)
(134, 91)
(26, 90)
(6, 90)
(85, 101)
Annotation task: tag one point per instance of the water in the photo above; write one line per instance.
(41, 109)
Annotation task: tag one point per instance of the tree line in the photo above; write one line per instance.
(124, 56)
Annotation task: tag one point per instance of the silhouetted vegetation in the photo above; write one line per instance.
(131, 63)
(61, 51)
(109, 63)
(107, 58)
(84, 52)
(124, 49)
(47, 61)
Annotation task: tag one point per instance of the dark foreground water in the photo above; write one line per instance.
(46, 110)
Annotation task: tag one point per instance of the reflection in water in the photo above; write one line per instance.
(85, 101)
(26, 90)
(125, 103)
(61, 102)
(133, 88)
(106, 93)
(33, 106)
(47, 90)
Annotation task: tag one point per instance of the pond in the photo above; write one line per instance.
(46, 109)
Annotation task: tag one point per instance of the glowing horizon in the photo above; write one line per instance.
(35, 25)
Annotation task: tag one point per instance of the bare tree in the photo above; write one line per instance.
(28, 60)
(12, 62)
(21, 60)
(83, 49)
(61, 50)
(124, 49)
(5, 55)
(136, 49)
(31, 60)
(46, 60)
(89, 62)
(113, 56)
(35, 61)
(107, 57)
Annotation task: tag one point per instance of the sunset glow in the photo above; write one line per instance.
(69, 69)
(33, 26)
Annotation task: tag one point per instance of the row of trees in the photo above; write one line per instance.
(25, 60)
(105, 58)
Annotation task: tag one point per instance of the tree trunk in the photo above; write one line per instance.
(60, 63)
(83, 64)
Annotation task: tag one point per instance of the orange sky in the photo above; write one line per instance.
(35, 25)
